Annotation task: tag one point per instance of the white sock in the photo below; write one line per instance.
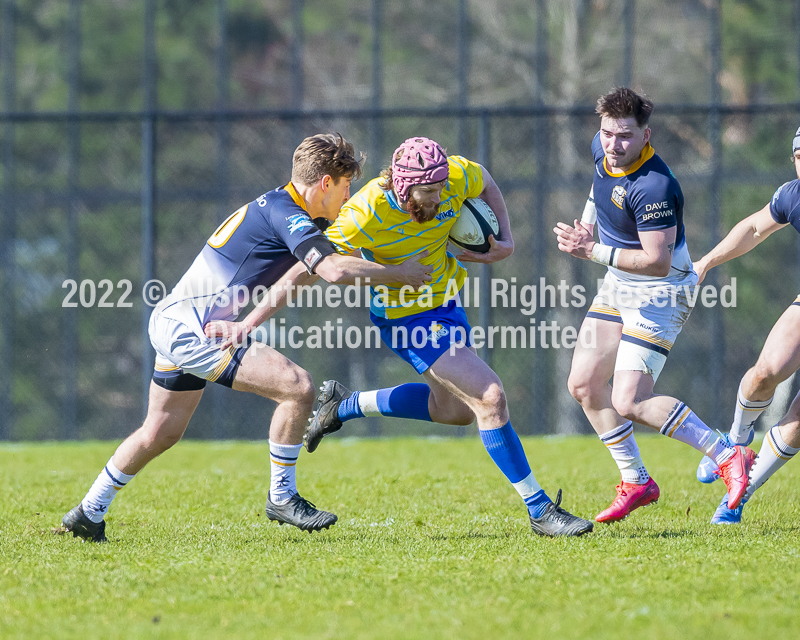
(103, 491)
(368, 403)
(621, 443)
(745, 416)
(527, 487)
(684, 425)
(773, 455)
(283, 461)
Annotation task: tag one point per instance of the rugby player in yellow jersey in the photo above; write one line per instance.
(257, 246)
(409, 209)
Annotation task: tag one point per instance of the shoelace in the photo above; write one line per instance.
(559, 514)
(620, 493)
(306, 507)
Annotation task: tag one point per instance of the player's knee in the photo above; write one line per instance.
(494, 398)
(581, 388)
(762, 378)
(626, 405)
(303, 387)
(159, 440)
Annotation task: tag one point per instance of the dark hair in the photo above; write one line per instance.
(324, 154)
(625, 103)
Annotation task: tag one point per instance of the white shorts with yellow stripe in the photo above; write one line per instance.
(651, 315)
(180, 351)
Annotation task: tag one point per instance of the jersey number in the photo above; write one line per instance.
(226, 229)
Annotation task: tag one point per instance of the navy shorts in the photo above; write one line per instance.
(422, 338)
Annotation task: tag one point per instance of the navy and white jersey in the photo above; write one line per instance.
(252, 249)
(785, 204)
(647, 197)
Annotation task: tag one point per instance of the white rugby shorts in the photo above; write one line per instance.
(651, 314)
(179, 350)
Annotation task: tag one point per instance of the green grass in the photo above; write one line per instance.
(431, 543)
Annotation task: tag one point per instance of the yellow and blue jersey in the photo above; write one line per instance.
(373, 222)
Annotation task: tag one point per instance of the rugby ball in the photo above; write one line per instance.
(474, 225)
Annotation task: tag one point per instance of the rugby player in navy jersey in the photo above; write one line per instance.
(263, 243)
(779, 358)
(641, 307)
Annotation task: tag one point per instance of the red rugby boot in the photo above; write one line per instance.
(734, 472)
(629, 497)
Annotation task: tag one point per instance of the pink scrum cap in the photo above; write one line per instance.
(418, 161)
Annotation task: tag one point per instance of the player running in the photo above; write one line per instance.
(641, 307)
(253, 248)
(779, 358)
(408, 209)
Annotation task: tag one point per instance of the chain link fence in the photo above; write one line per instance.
(109, 187)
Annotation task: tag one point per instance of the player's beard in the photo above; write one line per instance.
(420, 214)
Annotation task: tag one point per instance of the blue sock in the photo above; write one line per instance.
(505, 448)
(537, 503)
(349, 409)
(405, 401)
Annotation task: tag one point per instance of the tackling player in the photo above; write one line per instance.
(639, 311)
(253, 248)
(410, 208)
(779, 358)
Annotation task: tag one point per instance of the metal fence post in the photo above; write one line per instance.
(220, 397)
(367, 366)
(540, 365)
(628, 35)
(70, 333)
(148, 187)
(717, 355)
(463, 70)
(9, 220)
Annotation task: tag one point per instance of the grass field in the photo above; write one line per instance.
(431, 543)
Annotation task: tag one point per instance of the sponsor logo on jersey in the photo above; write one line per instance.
(618, 196)
(262, 200)
(298, 221)
(446, 213)
(312, 257)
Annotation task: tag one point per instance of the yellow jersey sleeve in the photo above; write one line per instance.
(466, 178)
(355, 226)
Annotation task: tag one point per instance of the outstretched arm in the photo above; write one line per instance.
(748, 233)
(235, 333)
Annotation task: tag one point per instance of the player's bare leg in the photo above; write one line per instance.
(168, 415)
(778, 360)
(463, 374)
(592, 367)
(429, 401)
(270, 374)
(634, 399)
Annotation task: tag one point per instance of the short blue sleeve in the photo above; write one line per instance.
(655, 203)
(785, 203)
